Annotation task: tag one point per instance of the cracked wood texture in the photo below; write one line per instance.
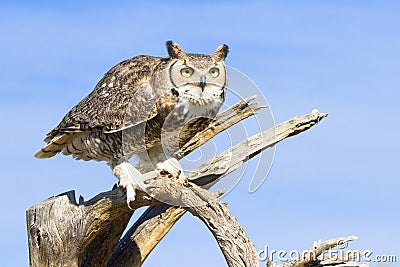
(64, 233)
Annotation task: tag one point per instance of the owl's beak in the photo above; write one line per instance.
(202, 82)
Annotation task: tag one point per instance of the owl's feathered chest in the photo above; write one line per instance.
(184, 111)
(176, 123)
(175, 116)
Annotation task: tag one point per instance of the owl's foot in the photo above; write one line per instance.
(130, 187)
(130, 179)
(172, 168)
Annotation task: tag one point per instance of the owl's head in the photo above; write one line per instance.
(200, 79)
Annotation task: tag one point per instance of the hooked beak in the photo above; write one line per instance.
(202, 82)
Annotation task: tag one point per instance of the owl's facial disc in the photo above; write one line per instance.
(200, 82)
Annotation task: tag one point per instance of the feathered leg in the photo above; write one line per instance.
(129, 178)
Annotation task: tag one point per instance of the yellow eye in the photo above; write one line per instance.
(214, 72)
(187, 72)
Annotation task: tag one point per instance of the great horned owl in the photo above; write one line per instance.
(145, 106)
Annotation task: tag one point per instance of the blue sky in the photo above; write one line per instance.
(339, 178)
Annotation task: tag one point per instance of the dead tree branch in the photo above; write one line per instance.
(157, 220)
(85, 234)
(77, 225)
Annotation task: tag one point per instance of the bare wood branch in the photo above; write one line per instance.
(156, 222)
(76, 236)
(161, 217)
(72, 245)
(222, 121)
(236, 247)
(210, 171)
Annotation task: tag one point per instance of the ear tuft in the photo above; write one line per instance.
(175, 51)
(221, 53)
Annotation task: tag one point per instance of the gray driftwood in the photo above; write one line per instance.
(62, 232)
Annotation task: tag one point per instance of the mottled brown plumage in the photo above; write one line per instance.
(145, 106)
(105, 107)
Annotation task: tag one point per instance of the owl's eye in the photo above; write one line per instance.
(214, 72)
(187, 72)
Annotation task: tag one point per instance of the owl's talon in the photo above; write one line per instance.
(129, 187)
(183, 180)
(131, 180)
(171, 168)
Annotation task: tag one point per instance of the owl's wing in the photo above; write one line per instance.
(121, 99)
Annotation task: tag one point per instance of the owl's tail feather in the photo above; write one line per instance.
(54, 146)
